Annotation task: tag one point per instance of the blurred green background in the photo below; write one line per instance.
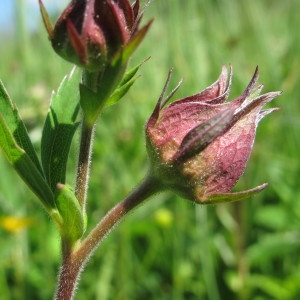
(168, 248)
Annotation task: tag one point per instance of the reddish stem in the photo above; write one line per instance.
(74, 262)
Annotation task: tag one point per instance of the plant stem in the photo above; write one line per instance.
(74, 262)
(84, 159)
(86, 143)
(68, 278)
(147, 188)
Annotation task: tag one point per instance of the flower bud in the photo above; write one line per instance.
(199, 145)
(92, 33)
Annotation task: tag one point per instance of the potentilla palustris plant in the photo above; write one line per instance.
(198, 146)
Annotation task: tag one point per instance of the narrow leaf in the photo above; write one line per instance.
(24, 166)
(120, 92)
(130, 74)
(17, 127)
(127, 81)
(59, 129)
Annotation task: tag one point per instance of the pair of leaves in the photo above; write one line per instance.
(58, 132)
(42, 178)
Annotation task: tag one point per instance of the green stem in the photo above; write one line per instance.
(84, 160)
(86, 143)
(74, 261)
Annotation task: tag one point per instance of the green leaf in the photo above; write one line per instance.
(72, 224)
(120, 92)
(130, 74)
(17, 127)
(59, 129)
(127, 81)
(24, 165)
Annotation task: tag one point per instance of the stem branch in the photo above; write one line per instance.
(74, 262)
(147, 188)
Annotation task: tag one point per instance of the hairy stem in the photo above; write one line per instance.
(86, 144)
(147, 188)
(84, 159)
(68, 278)
(74, 262)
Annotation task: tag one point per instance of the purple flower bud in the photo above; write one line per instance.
(91, 33)
(199, 145)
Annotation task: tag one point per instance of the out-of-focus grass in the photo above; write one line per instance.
(170, 248)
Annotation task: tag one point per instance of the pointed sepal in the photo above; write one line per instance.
(132, 45)
(204, 134)
(231, 197)
(46, 20)
(77, 43)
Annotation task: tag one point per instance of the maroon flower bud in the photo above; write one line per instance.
(199, 145)
(91, 33)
